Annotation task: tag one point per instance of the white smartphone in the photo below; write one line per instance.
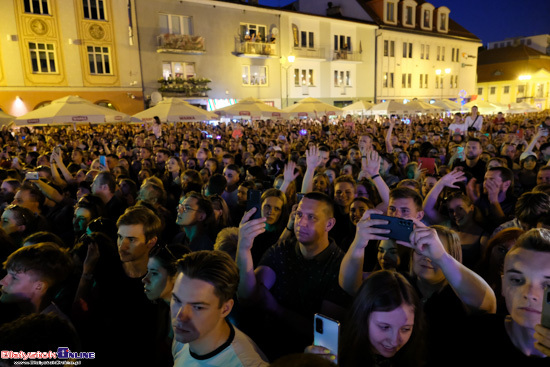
(326, 333)
(545, 319)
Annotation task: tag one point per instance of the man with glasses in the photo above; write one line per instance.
(196, 217)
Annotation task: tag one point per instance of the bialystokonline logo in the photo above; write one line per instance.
(62, 353)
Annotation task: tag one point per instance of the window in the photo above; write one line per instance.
(386, 77)
(386, 48)
(389, 48)
(409, 15)
(390, 9)
(457, 53)
(303, 77)
(403, 80)
(451, 78)
(456, 81)
(539, 91)
(438, 52)
(99, 59)
(421, 80)
(425, 80)
(436, 81)
(479, 91)
(42, 57)
(443, 22)
(93, 9)
(442, 53)
(502, 44)
(427, 52)
(409, 80)
(506, 89)
(254, 75)
(407, 50)
(391, 80)
(521, 89)
(307, 39)
(392, 48)
(427, 18)
(254, 32)
(342, 78)
(453, 54)
(175, 24)
(342, 43)
(422, 53)
(182, 70)
(36, 6)
(492, 90)
(522, 42)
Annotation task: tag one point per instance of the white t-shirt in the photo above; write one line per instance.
(461, 128)
(478, 124)
(238, 351)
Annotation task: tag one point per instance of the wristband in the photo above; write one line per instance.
(373, 177)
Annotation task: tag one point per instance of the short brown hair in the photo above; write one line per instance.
(152, 225)
(214, 267)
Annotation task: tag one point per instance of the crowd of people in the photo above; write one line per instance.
(139, 243)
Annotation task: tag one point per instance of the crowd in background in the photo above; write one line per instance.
(108, 230)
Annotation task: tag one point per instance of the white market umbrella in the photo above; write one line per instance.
(250, 108)
(311, 107)
(360, 107)
(5, 119)
(448, 105)
(521, 107)
(483, 106)
(423, 107)
(71, 110)
(175, 110)
(390, 108)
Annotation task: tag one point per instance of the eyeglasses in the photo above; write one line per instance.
(158, 248)
(186, 208)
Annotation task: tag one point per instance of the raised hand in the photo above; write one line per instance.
(288, 173)
(250, 229)
(451, 178)
(372, 165)
(425, 241)
(313, 157)
(365, 230)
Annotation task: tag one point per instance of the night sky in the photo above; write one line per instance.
(490, 20)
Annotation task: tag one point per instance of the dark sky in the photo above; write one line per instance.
(490, 20)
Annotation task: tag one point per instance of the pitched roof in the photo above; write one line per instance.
(511, 70)
(509, 53)
(455, 29)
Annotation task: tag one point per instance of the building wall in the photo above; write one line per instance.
(463, 67)
(69, 34)
(539, 42)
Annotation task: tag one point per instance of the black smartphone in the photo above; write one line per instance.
(545, 319)
(254, 200)
(401, 229)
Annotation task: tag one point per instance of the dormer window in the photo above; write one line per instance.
(390, 11)
(426, 16)
(408, 13)
(443, 19)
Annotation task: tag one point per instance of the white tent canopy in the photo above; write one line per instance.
(359, 107)
(250, 108)
(71, 110)
(175, 110)
(483, 106)
(448, 105)
(423, 107)
(389, 108)
(5, 119)
(311, 107)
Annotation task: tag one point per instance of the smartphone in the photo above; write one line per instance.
(520, 133)
(400, 228)
(103, 160)
(545, 319)
(460, 151)
(300, 196)
(428, 163)
(31, 176)
(253, 200)
(326, 333)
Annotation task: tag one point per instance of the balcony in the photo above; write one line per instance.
(180, 44)
(309, 53)
(179, 87)
(262, 50)
(344, 55)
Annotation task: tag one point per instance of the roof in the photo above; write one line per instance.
(509, 53)
(511, 70)
(455, 29)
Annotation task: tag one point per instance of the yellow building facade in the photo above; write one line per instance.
(53, 48)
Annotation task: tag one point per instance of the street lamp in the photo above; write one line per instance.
(440, 72)
(286, 63)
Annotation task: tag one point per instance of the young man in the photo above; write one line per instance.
(344, 193)
(202, 298)
(104, 186)
(34, 275)
(196, 216)
(515, 339)
(295, 278)
(473, 163)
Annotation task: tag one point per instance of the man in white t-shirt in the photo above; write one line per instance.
(202, 298)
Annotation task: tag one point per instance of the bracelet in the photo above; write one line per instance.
(373, 177)
(87, 276)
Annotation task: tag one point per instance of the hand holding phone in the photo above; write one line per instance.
(326, 333)
(32, 176)
(103, 161)
(253, 200)
(400, 229)
(545, 318)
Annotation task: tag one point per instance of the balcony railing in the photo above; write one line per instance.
(255, 49)
(345, 55)
(310, 53)
(180, 43)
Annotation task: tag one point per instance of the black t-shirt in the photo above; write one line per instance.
(477, 171)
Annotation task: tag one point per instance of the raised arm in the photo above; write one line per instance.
(370, 167)
(313, 159)
(472, 290)
(58, 160)
(351, 269)
(248, 230)
(389, 146)
(449, 180)
(288, 175)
